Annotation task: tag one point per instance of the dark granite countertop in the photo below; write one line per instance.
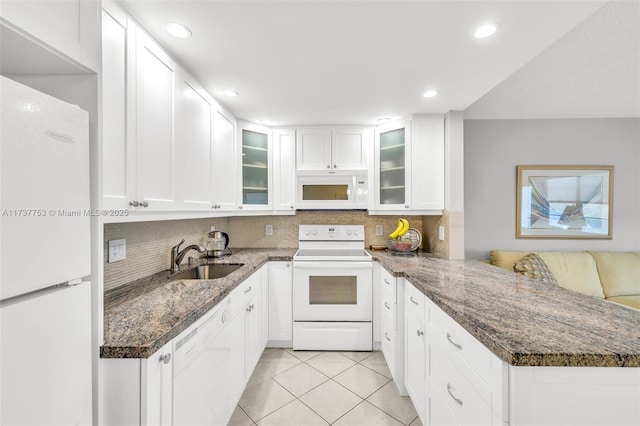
(141, 317)
(522, 321)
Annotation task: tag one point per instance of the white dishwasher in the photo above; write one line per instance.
(200, 372)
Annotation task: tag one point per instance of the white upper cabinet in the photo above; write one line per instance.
(116, 183)
(408, 172)
(256, 168)
(155, 166)
(71, 27)
(427, 150)
(284, 165)
(392, 166)
(193, 143)
(332, 148)
(349, 147)
(224, 162)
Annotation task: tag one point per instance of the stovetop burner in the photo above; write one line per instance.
(331, 243)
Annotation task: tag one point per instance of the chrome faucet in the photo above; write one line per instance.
(177, 255)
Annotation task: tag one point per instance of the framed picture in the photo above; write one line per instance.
(570, 202)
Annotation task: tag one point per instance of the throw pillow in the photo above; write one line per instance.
(533, 266)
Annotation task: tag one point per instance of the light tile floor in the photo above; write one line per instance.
(318, 388)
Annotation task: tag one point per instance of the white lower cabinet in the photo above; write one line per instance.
(139, 391)
(196, 378)
(280, 304)
(453, 379)
(392, 325)
(415, 348)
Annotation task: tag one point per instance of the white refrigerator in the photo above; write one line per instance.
(45, 260)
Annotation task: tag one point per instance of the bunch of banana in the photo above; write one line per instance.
(401, 229)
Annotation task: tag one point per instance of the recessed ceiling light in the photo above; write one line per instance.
(178, 30)
(430, 94)
(383, 120)
(230, 93)
(486, 31)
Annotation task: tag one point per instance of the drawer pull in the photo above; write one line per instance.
(457, 345)
(419, 332)
(386, 281)
(247, 290)
(165, 358)
(386, 336)
(387, 306)
(458, 400)
(413, 301)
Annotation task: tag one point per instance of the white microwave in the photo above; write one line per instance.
(334, 190)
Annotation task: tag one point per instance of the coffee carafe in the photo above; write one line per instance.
(217, 244)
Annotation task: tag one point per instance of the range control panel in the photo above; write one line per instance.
(331, 233)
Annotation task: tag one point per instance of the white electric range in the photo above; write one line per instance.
(332, 289)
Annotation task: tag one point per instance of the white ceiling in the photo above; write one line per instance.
(351, 62)
(593, 71)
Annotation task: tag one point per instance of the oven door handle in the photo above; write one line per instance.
(331, 265)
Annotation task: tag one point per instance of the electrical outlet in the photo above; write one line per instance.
(441, 233)
(212, 228)
(379, 230)
(117, 250)
(268, 230)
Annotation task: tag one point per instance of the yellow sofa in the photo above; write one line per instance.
(614, 276)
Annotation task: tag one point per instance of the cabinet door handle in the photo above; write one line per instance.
(334, 166)
(134, 203)
(247, 290)
(386, 281)
(288, 265)
(386, 305)
(449, 388)
(240, 207)
(144, 203)
(166, 358)
(413, 301)
(386, 336)
(457, 345)
(328, 166)
(419, 332)
(406, 206)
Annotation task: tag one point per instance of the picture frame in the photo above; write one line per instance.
(564, 202)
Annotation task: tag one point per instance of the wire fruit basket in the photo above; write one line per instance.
(407, 243)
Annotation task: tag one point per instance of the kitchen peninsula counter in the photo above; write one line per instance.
(522, 321)
(140, 317)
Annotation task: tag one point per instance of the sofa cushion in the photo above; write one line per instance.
(619, 272)
(533, 266)
(574, 271)
(629, 301)
(506, 259)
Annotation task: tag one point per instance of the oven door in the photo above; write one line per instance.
(332, 291)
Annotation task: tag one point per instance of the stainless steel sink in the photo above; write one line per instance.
(207, 272)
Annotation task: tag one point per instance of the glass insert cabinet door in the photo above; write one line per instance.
(391, 166)
(255, 168)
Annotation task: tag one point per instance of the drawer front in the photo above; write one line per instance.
(388, 339)
(414, 299)
(470, 405)
(388, 305)
(439, 412)
(244, 292)
(458, 342)
(388, 283)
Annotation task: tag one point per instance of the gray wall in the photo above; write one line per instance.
(493, 149)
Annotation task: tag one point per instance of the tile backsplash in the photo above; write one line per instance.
(149, 243)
